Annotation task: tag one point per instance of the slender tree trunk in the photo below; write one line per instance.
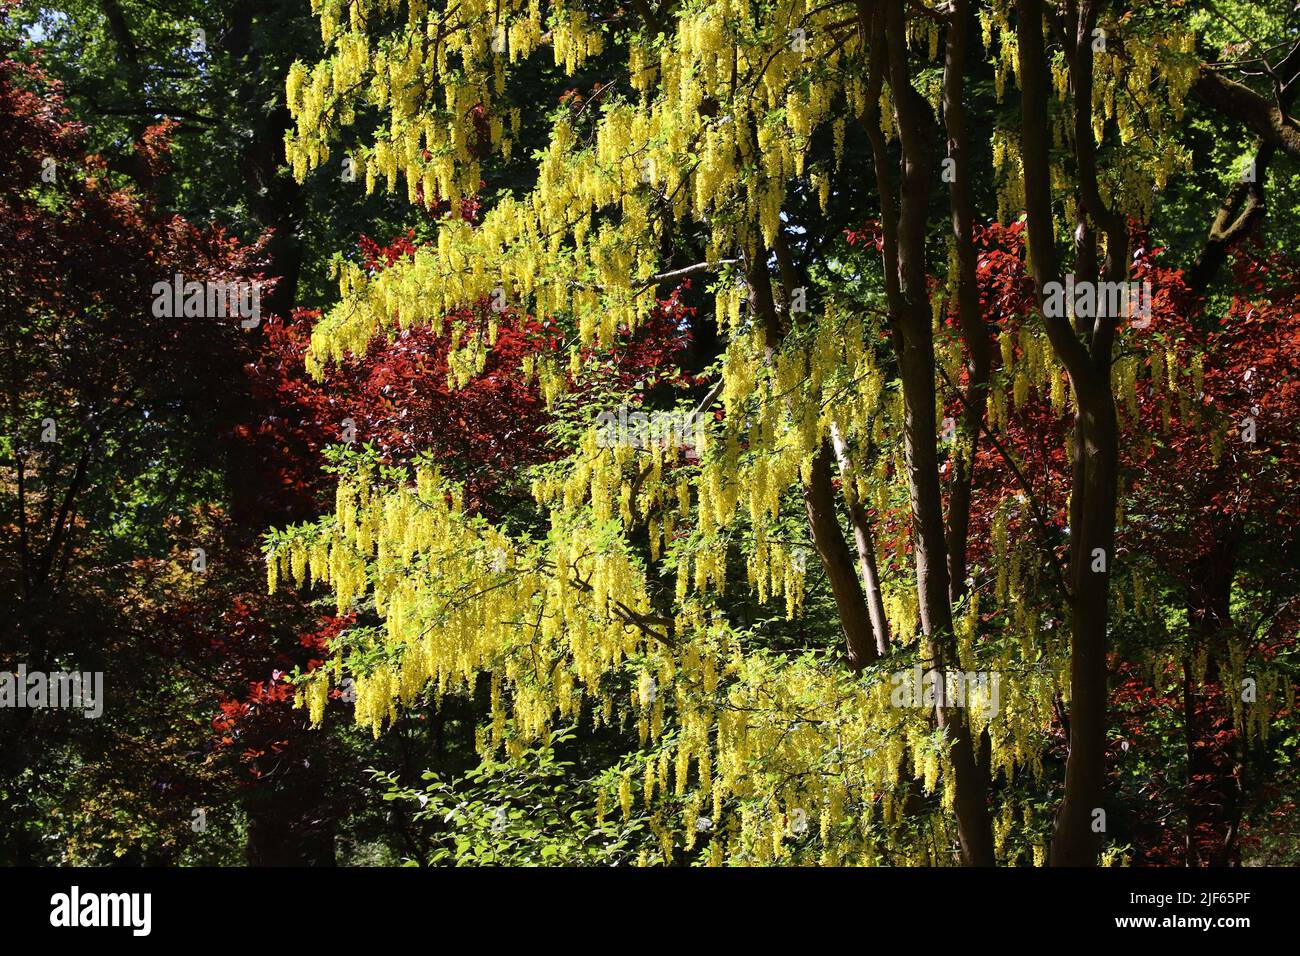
(274, 197)
(866, 545)
(975, 331)
(823, 520)
(974, 825)
(909, 307)
(772, 305)
(1213, 781)
(1080, 818)
(1078, 824)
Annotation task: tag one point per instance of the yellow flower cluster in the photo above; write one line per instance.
(585, 240)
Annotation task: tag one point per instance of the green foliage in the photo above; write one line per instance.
(529, 811)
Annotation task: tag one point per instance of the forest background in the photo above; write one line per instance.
(718, 626)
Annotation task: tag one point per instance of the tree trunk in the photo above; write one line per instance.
(855, 618)
(975, 331)
(1080, 818)
(866, 546)
(909, 312)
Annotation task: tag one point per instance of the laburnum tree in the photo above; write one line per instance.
(741, 141)
(401, 402)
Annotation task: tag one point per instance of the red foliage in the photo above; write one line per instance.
(399, 400)
(1194, 493)
(398, 397)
